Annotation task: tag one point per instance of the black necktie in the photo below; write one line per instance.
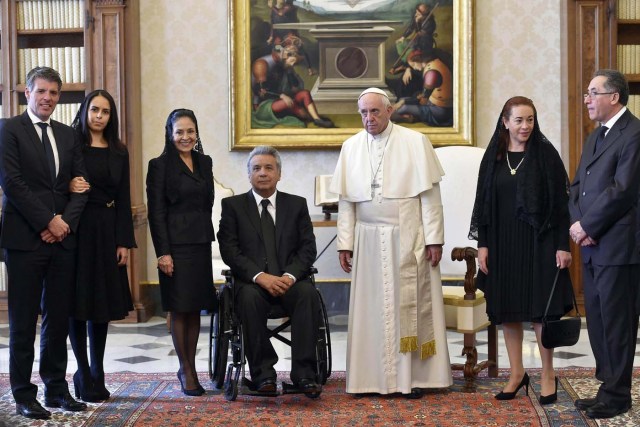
(269, 236)
(600, 138)
(48, 151)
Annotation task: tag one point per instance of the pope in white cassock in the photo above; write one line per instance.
(390, 236)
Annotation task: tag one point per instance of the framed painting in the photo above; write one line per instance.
(298, 66)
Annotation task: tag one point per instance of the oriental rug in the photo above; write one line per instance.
(155, 400)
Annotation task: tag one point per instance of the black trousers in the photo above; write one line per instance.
(302, 304)
(612, 322)
(40, 282)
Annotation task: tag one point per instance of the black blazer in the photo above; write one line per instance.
(240, 236)
(604, 194)
(173, 217)
(30, 199)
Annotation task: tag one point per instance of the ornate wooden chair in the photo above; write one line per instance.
(465, 306)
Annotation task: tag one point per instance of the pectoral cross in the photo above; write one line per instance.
(374, 185)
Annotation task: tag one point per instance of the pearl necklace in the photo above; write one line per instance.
(514, 170)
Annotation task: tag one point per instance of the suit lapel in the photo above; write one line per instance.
(36, 142)
(60, 141)
(252, 212)
(612, 136)
(282, 216)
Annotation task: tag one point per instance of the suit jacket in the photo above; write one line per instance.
(604, 194)
(174, 217)
(241, 242)
(30, 200)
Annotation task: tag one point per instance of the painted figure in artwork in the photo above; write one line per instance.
(433, 104)
(279, 96)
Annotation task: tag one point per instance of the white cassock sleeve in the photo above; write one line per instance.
(346, 225)
(432, 216)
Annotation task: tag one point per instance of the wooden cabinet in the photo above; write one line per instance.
(105, 36)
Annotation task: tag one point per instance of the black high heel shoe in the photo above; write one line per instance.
(508, 395)
(189, 392)
(198, 386)
(99, 387)
(83, 386)
(545, 400)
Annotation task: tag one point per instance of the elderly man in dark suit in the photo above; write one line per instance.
(38, 158)
(604, 214)
(272, 266)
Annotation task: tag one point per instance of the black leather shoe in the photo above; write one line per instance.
(602, 410)
(32, 409)
(307, 385)
(584, 404)
(64, 401)
(268, 385)
(416, 393)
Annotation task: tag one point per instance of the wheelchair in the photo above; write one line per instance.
(226, 337)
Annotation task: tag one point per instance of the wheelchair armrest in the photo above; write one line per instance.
(228, 274)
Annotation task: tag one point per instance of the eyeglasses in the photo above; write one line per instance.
(594, 94)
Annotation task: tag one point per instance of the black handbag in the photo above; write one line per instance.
(561, 332)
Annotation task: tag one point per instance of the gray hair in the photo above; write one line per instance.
(264, 150)
(45, 73)
(616, 82)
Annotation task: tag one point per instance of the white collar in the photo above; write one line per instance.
(384, 134)
(35, 119)
(271, 198)
(612, 121)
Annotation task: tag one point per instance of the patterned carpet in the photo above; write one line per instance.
(156, 400)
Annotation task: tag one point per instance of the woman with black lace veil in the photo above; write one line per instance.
(521, 221)
(180, 198)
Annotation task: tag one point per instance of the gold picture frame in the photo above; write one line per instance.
(244, 136)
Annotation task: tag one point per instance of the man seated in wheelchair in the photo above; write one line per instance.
(271, 265)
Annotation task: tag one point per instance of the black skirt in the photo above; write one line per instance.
(191, 286)
(102, 287)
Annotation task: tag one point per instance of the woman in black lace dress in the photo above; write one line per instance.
(105, 235)
(521, 221)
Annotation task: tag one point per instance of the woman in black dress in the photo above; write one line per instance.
(180, 197)
(105, 235)
(521, 221)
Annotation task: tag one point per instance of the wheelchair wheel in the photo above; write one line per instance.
(221, 326)
(220, 352)
(323, 347)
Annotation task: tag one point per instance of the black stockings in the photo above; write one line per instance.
(185, 329)
(97, 344)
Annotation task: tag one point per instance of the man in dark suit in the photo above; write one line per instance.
(38, 158)
(272, 267)
(604, 209)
